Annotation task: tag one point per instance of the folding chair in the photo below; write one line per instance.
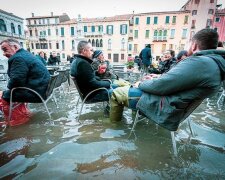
(3, 70)
(62, 78)
(84, 98)
(49, 95)
(189, 110)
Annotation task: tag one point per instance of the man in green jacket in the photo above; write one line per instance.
(170, 98)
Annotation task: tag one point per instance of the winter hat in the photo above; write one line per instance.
(97, 53)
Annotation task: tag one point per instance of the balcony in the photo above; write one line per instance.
(160, 39)
(42, 38)
(9, 34)
(93, 34)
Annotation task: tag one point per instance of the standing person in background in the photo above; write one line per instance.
(53, 59)
(146, 57)
(41, 56)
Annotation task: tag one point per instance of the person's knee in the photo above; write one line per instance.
(120, 95)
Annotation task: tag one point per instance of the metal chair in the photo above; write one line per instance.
(84, 98)
(222, 94)
(3, 70)
(189, 110)
(49, 95)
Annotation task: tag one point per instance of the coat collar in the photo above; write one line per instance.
(85, 58)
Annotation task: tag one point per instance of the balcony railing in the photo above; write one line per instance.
(93, 33)
(9, 34)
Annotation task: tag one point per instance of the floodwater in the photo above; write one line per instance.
(98, 149)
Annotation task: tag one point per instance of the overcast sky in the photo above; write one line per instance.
(89, 8)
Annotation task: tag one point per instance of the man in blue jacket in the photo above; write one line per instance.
(146, 57)
(170, 98)
(24, 70)
(85, 76)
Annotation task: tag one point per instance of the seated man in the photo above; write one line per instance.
(85, 75)
(24, 70)
(166, 99)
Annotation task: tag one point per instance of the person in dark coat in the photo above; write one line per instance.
(24, 70)
(53, 59)
(167, 61)
(41, 57)
(85, 76)
(102, 67)
(146, 57)
(170, 98)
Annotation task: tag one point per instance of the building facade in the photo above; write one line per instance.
(219, 24)
(122, 36)
(11, 26)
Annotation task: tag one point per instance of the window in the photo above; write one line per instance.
(100, 28)
(13, 28)
(167, 20)
(2, 25)
(72, 31)
(160, 35)
(56, 20)
(109, 44)
(101, 43)
(184, 33)
(19, 30)
(30, 32)
(110, 29)
(56, 32)
(148, 20)
(147, 34)
(32, 45)
(197, 1)
(49, 32)
(130, 47)
(186, 19)
(109, 56)
(155, 35)
(92, 28)
(63, 44)
(43, 21)
(172, 33)
(62, 31)
(93, 43)
(85, 28)
(211, 11)
(122, 56)
(193, 24)
(123, 29)
(171, 46)
(57, 45)
(155, 20)
(194, 12)
(50, 45)
(137, 20)
(135, 48)
(211, 1)
(174, 19)
(35, 22)
(37, 45)
(73, 44)
(165, 35)
(36, 32)
(123, 44)
(208, 23)
(163, 47)
(48, 21)
(135, 33)
(97, 43)
(217, 19)
(39, 21)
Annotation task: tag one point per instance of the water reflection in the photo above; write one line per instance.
(63, 148)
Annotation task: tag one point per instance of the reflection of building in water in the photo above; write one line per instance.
(125, 35)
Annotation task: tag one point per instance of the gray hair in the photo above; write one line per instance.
(81, 45)
(11, 42)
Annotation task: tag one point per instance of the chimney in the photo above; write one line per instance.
(32, 14)
(51, 13)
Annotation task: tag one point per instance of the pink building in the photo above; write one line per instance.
(219, 24)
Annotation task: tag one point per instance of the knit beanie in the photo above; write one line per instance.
(97, 53)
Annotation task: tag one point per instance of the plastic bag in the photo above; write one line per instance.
(20, 114)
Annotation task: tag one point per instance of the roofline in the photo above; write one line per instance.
(162, 12)
(10, 14)
(39, 17)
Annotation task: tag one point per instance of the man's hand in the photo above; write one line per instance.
(102, 68)
(137, 84)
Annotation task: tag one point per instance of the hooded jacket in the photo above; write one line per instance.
(171, 98)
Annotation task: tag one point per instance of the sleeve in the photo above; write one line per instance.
(89, 76)
(18, 73)
(183, 76)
